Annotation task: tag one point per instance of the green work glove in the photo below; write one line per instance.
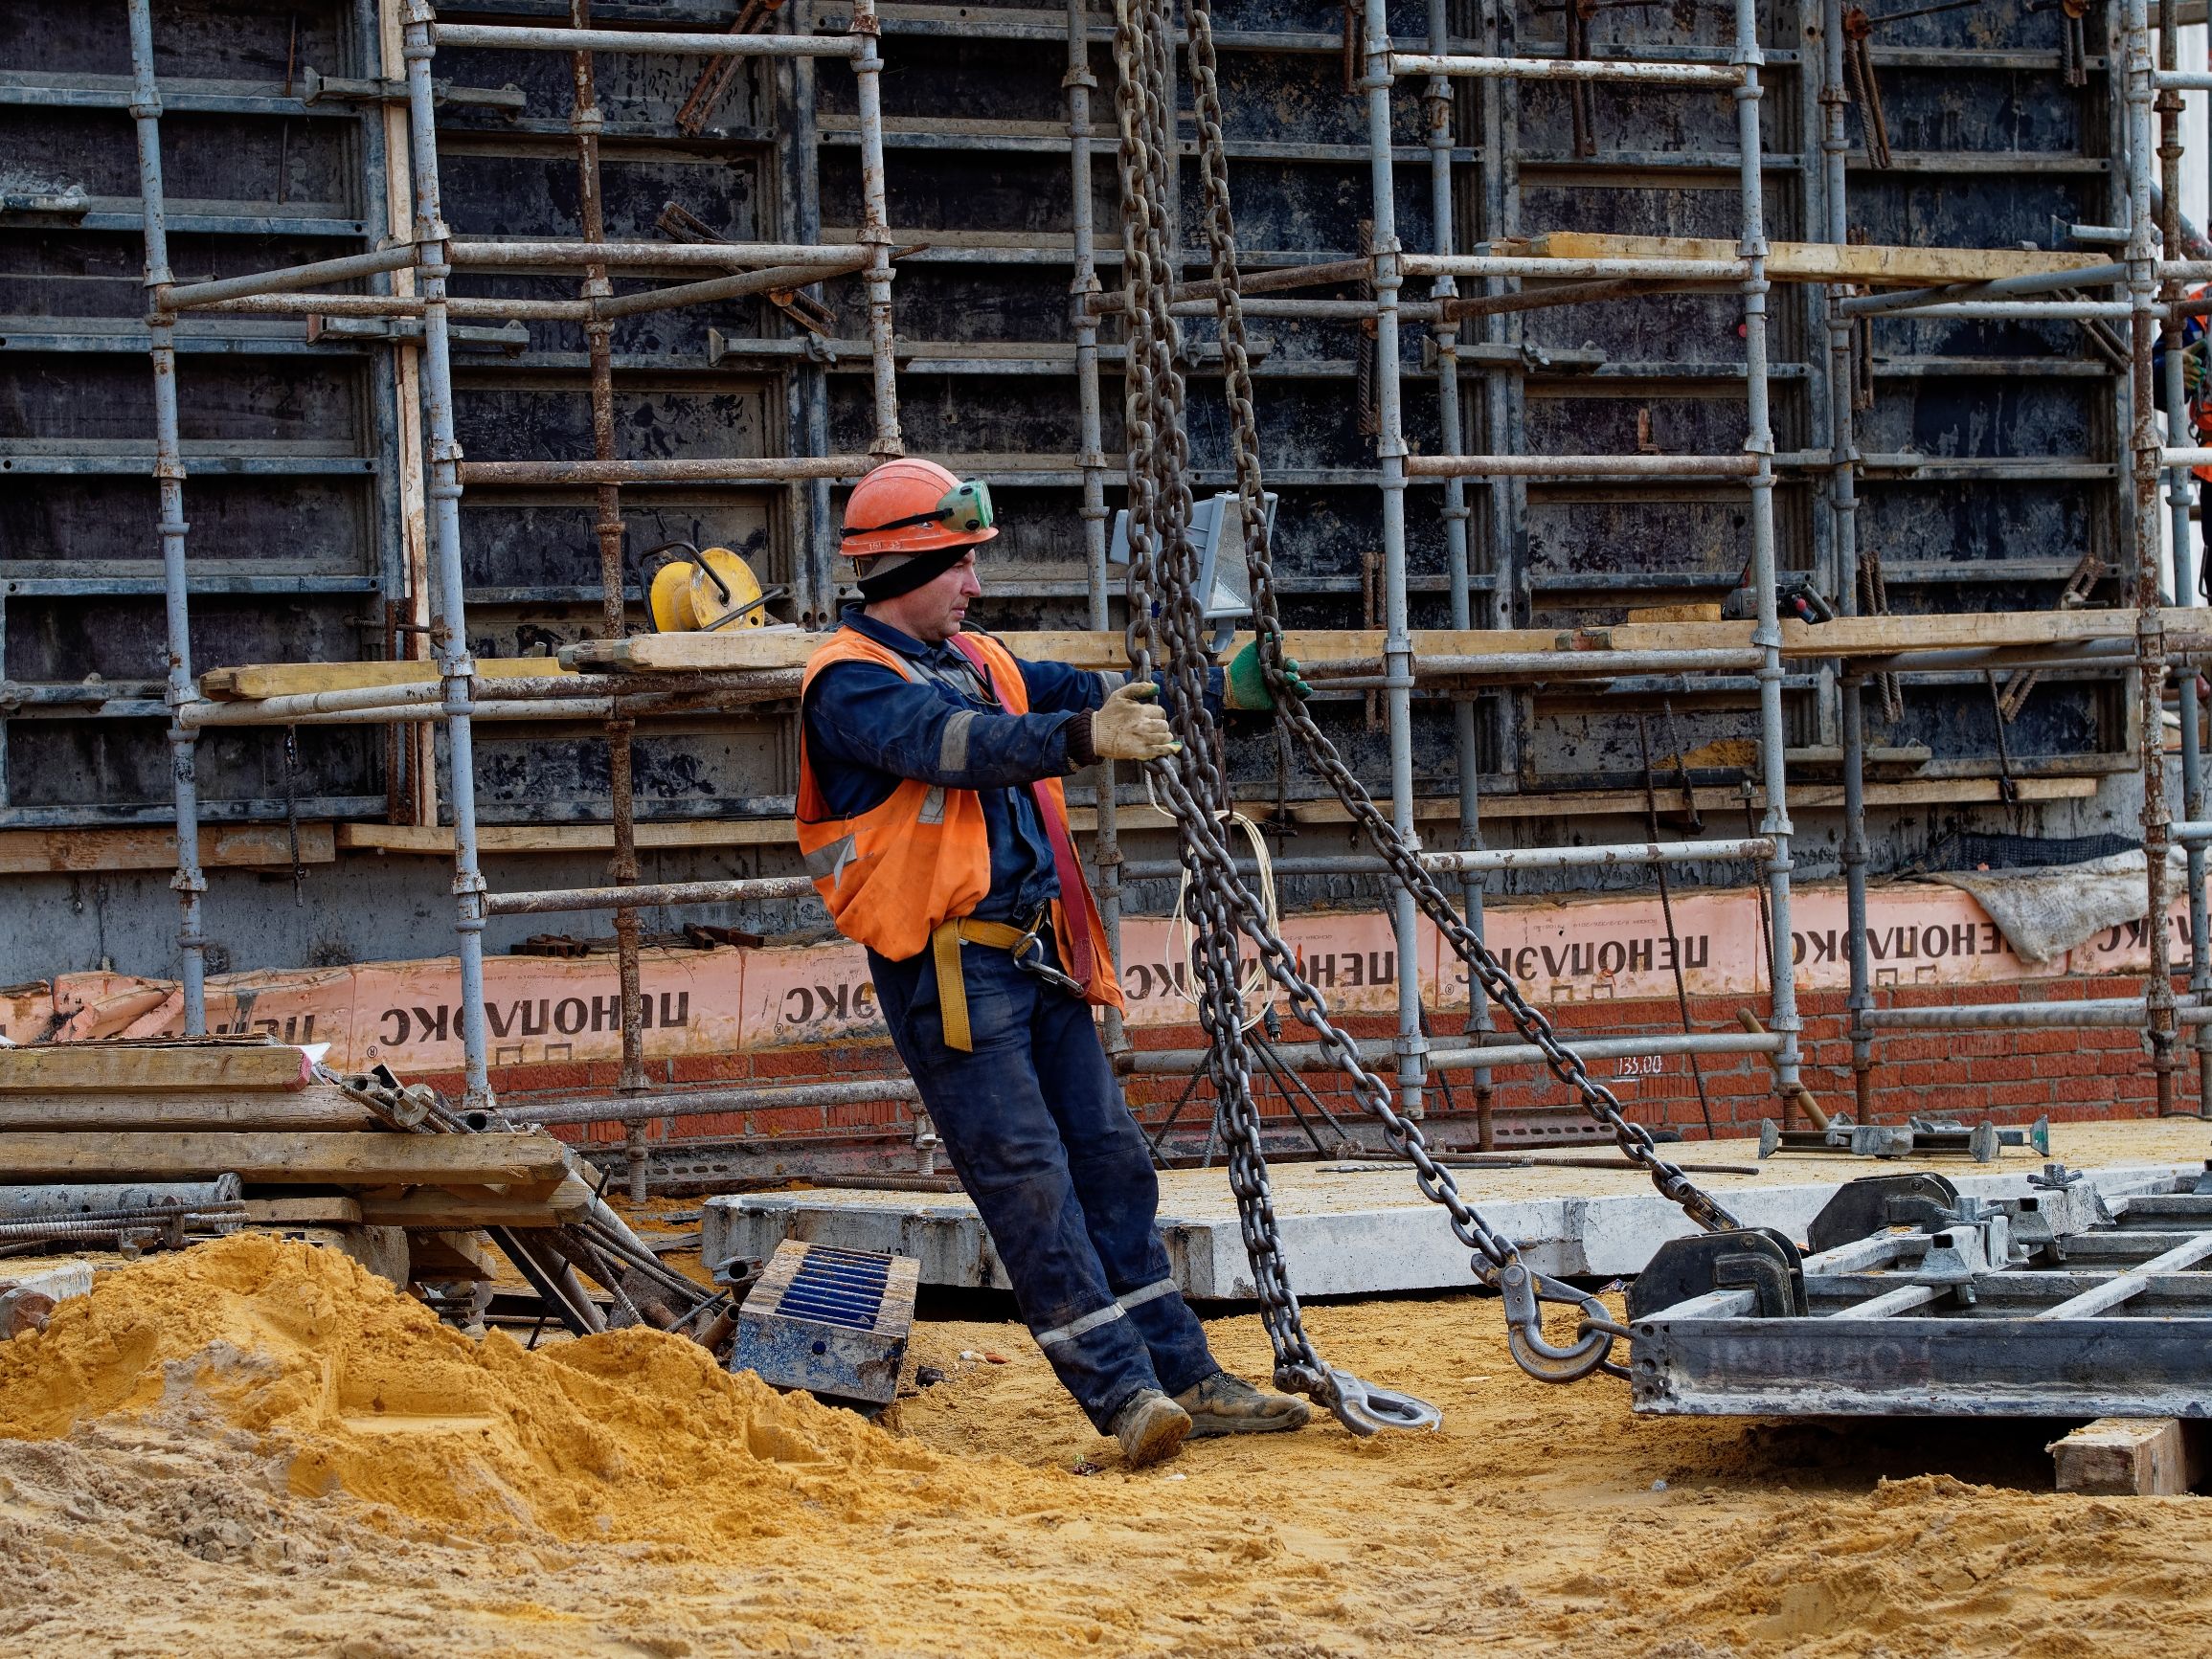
(2192, 369)
(1244, 685)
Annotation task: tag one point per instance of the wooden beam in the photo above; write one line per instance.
(2128, 1457)
(293, 679)
(135, 847)
(318, 1107)
(303, 1159)
(469, 1207)
(1845, 636)
(564, 837)
(110, 1067)
(1870, 266)
(324, 1210)
(760, 650)
(450, 1253)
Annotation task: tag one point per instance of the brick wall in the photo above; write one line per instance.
(2012, 1076)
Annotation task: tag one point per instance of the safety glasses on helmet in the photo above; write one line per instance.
(965, 507)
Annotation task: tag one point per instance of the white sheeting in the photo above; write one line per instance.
(2047, 910)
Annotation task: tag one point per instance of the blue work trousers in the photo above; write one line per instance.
(1036, 1126)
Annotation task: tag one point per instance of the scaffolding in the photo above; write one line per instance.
(412, 282)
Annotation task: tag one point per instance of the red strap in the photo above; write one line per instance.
(1075, 891)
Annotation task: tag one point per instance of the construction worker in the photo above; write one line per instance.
(933, 822)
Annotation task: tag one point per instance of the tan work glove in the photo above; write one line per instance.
(1130, 726)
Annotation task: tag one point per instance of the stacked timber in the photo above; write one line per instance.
(302, 1155)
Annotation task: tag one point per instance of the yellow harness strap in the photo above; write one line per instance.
(951, 982)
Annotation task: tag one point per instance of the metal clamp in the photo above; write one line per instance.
(1028, 954)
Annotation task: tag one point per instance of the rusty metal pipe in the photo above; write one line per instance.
(2089, 1011)
(1538, 666)
(396, 305)
(1545, 299)
(1310, 1057)
(189, 295)
(553, 901)
(1585, 69)
(1563, 269)
(1595, 857)
(567, 250)
(1273, 282)
(760, 469)
(736, 287)
(874, 229)
(705, 1102)
(586, 123)
(679, 43)
(1581, 465)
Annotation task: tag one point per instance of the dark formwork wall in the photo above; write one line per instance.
(1990, 447)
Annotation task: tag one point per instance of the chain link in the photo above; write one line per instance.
(1635, 1141)
(1167, 626)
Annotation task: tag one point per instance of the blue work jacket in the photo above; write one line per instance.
(868, 729)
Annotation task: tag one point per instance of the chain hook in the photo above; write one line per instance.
(1366, 1409)
(1525, 1292)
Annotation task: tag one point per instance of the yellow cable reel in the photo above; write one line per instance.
(715, 591)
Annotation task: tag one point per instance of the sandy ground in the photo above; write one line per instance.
(989, 1520)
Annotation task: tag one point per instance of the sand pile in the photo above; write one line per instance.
(633, 1435)
(224, 1388)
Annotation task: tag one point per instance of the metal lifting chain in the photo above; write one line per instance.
(1165, 621)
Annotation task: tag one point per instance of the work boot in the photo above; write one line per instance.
(1226, 1405)
(1150, 1427)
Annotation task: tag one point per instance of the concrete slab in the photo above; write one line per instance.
(1351, 1229)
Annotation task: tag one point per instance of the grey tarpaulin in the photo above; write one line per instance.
(2052, 907)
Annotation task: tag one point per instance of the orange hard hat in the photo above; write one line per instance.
(911, 505)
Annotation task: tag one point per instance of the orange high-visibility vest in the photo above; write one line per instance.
(923, 856)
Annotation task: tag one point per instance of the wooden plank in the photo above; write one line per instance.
(469, 1207)
(325, 1210)
(109, 1068)
(1873, 266)
(2126, 1457)
(134, 847)
(437, 841)
(293, 679)
(303, 1158)
(318, 1107)
(450, 1253)
(1845, 636)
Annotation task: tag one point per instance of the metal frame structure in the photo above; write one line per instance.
(412, 274)
(2147, 80)
(2064, 1302)
(431, 252)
